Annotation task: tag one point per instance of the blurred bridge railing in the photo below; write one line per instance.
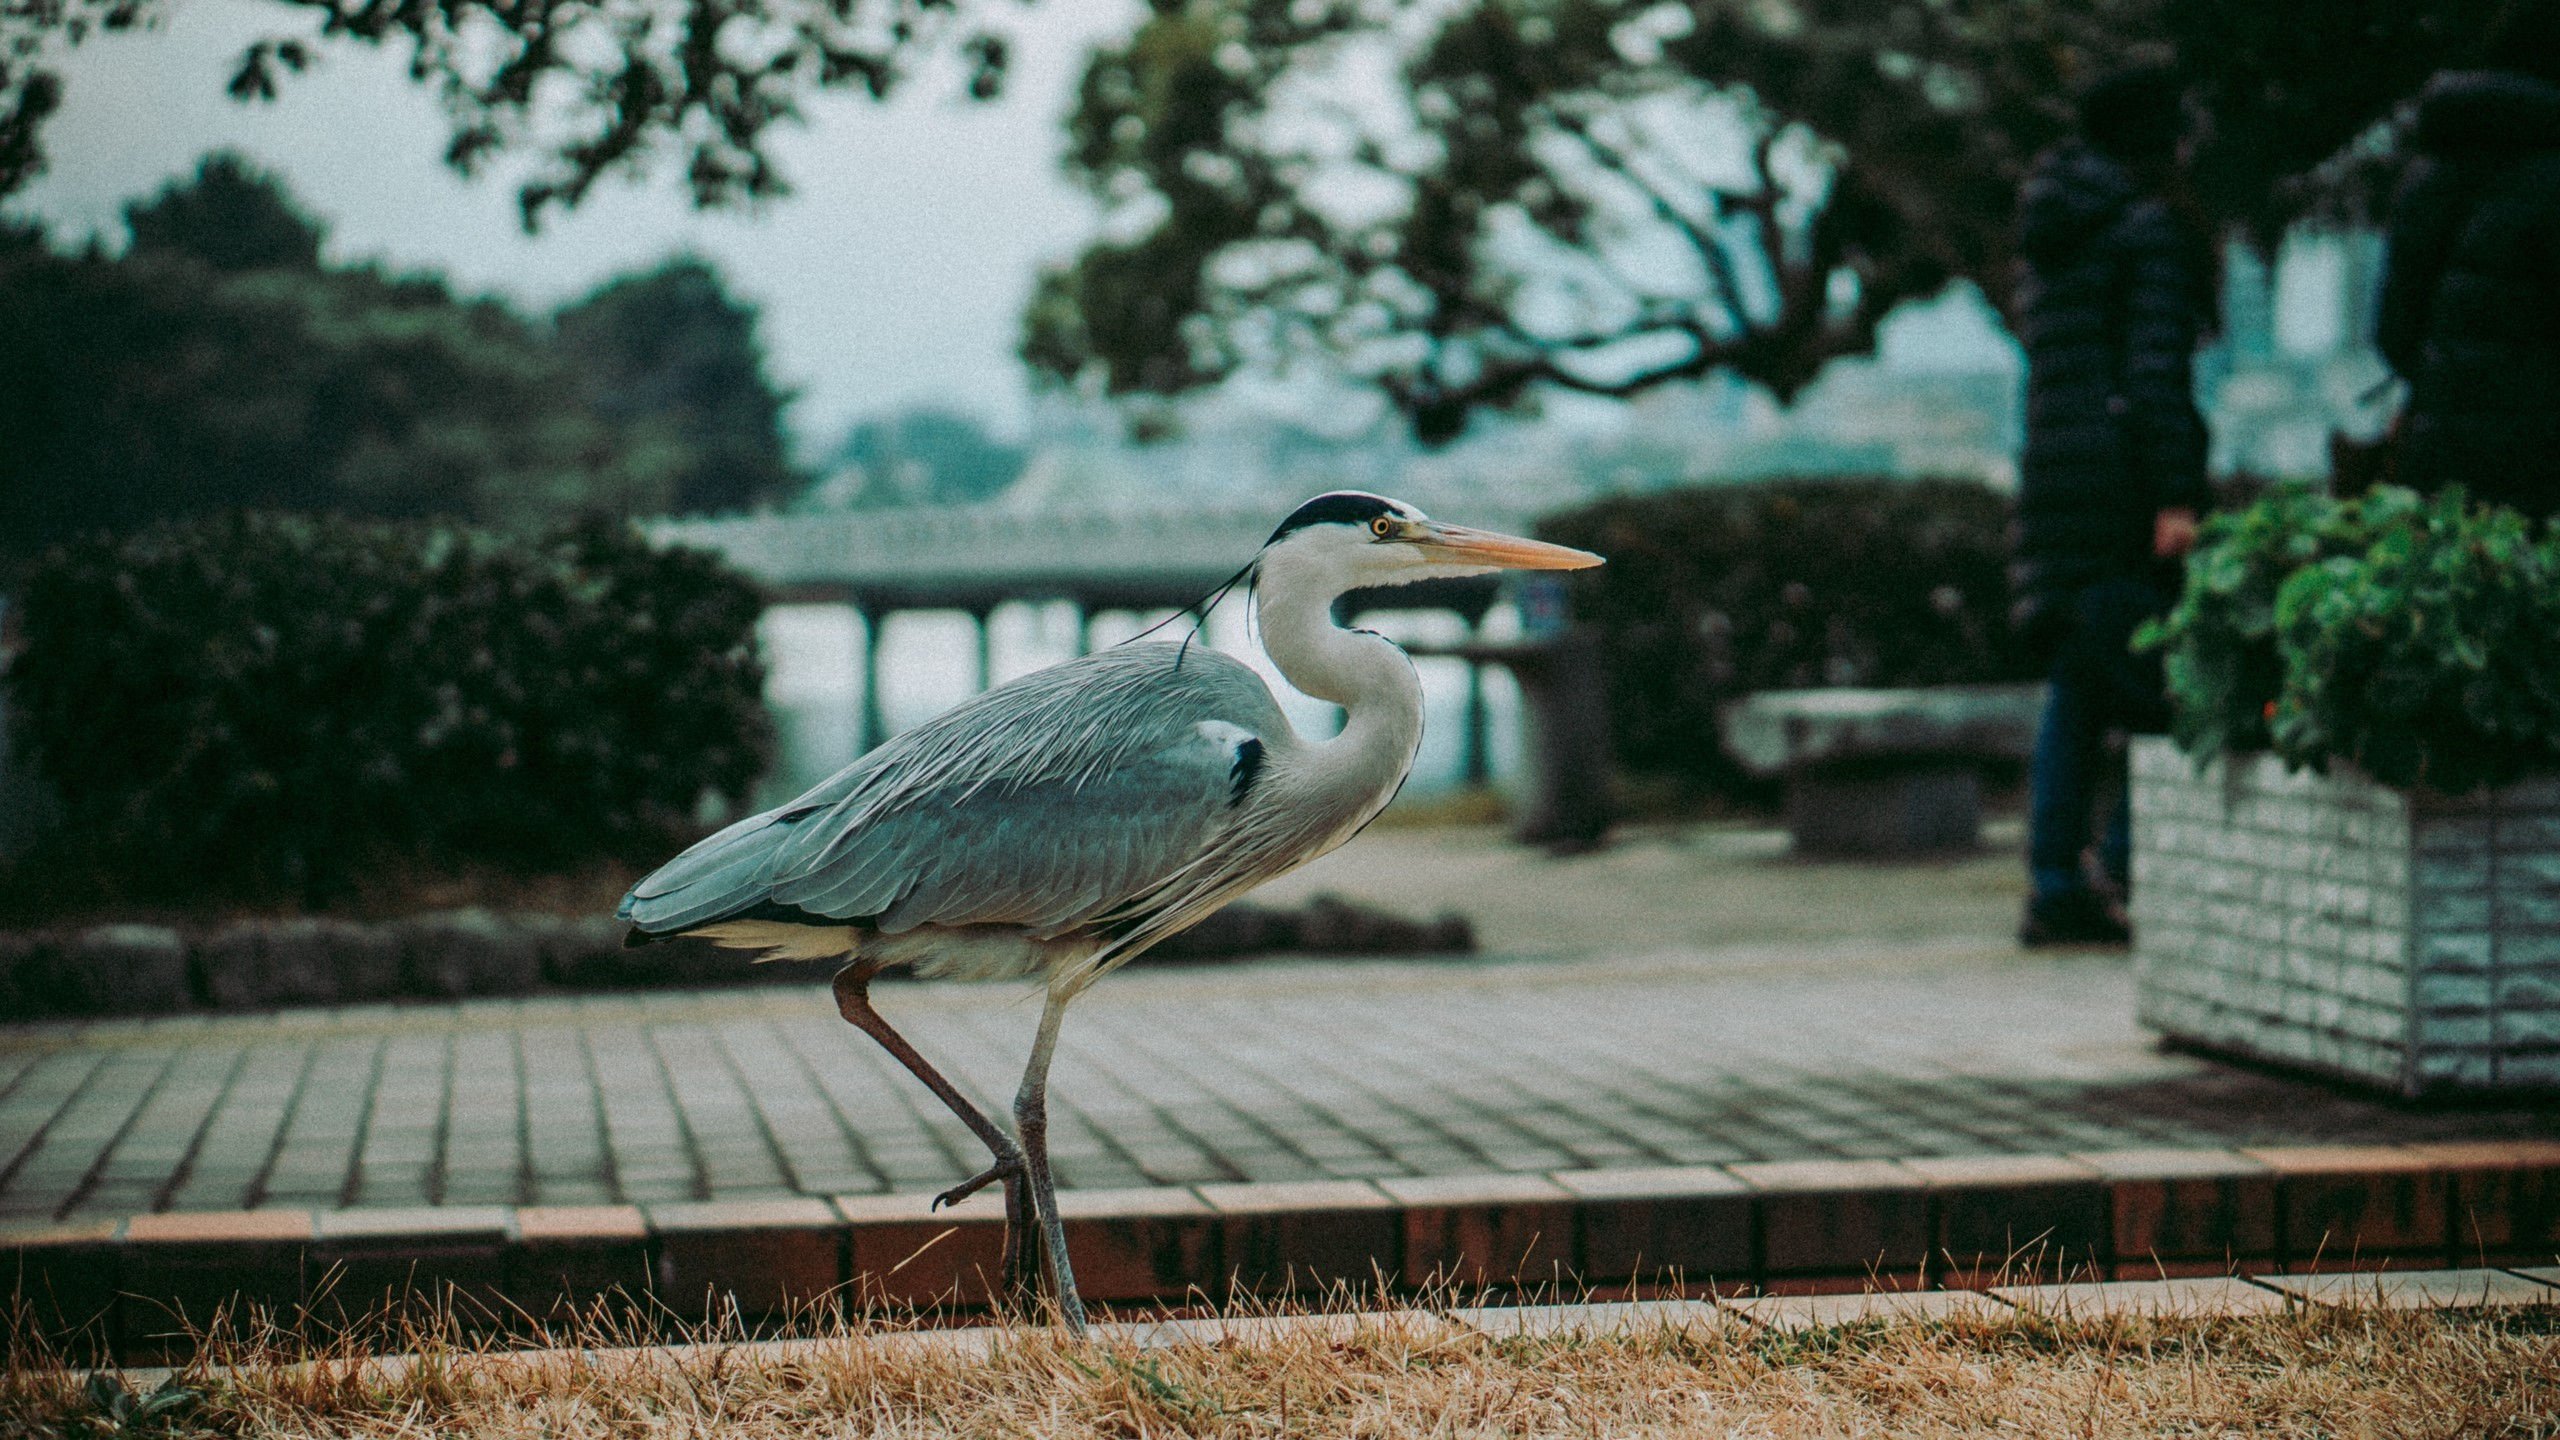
(975, 558)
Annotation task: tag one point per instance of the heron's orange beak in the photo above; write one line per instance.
(1486, 547)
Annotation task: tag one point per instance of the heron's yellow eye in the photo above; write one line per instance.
(1382, 527)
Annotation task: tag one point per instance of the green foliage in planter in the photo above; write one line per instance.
(268, 706)
(2431, 659)
(2418, 639)
(2223, 672)
(1713, 593)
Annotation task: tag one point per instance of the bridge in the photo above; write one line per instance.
(975, 558)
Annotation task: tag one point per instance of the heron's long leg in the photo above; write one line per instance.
(1031, 1117)
(853, 1001)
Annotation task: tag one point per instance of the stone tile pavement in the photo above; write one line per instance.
(1276, 1071)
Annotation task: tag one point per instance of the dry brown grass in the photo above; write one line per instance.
(2329, 1373)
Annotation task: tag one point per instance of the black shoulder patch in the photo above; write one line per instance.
(1341, 507)
(1247, 769)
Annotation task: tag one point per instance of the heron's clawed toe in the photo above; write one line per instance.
(1001, 1170)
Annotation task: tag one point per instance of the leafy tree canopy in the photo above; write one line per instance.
(1459, 203)
(230, 215)
(590, 86)
(170, 382)
(1463, 205)
(674, 349)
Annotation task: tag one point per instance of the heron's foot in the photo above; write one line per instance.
(1001, 1170)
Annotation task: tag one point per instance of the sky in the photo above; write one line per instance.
(895, 274)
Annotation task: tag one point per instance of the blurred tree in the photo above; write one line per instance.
(674, 354)
(230, 215)
(1608, 195)
(162, 383)
(616, 82)
(929, 457)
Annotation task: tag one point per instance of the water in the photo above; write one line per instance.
(813, 655)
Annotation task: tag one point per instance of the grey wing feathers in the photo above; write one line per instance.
(1043, 857)
(1043, 803)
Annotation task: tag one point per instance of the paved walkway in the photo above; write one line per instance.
(1888, 1019)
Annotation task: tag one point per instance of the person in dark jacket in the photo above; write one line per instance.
(2115, 291)
(2471, 296)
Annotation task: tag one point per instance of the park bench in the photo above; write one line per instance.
(1883, 772)
(1564, 693)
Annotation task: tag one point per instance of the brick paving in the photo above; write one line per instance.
(1276, 1071)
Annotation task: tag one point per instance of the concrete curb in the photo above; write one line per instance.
(1766, 1229)
(2100, 1303)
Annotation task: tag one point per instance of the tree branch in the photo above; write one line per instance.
(1708, 247)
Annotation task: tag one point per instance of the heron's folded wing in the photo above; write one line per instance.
(1043, 856)
(1040, 803)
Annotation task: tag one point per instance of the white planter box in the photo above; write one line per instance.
(2407, 939)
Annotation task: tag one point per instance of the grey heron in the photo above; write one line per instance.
(1056, 826)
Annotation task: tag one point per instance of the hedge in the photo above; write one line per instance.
(1711, 594)
(268, 708)
(2415, 638)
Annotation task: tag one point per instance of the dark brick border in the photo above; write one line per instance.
(1796, 1227)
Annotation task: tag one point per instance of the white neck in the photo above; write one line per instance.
(1368, 677)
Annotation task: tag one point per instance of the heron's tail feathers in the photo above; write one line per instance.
(777, 941)
(780, 940)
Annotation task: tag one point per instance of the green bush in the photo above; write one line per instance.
(2418, 639)
(2223, 673)
(268, 707)
(1710, 594)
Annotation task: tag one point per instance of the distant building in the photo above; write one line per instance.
(2295, 361)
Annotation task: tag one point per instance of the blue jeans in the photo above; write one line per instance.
(2073, 764)
(2097, 686)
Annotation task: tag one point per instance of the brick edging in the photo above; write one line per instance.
(1797, 1226)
